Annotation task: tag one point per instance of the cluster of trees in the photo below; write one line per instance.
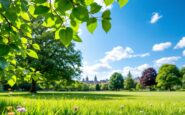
(53, 63)
(169, 77)
(24, 56)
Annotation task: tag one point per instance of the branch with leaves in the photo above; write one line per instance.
(62, 17)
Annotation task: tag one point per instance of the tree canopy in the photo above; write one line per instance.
(168, 76)
(116, 81)
(148, 77)
(129, 82)
(62, 18)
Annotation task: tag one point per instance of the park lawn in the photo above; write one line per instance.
(95, 103)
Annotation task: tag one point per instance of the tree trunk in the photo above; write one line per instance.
(33, 86)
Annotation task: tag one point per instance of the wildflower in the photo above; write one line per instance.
(21, 109)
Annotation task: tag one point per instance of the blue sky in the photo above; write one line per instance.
(144, 33)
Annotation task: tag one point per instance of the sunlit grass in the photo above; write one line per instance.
(96, 103)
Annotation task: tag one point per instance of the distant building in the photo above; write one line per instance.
(95, 81)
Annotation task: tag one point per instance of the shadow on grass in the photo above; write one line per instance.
(72, 95)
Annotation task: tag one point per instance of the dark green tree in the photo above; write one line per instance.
(168, 76)
(129, 82)
(55, 62)
(97, 87)
(116, 81)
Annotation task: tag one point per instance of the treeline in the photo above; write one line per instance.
(169, 77)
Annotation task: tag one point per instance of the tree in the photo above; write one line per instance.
(104, 86)
(56, 62)
(138, 86)
(116, 81)
(182, 72)
(168, 76)
(62, 17)
(97, 87)
(148, 77)
(129, 82)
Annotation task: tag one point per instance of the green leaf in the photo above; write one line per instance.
(12, 81)
(108, 2)
(32, 54)
(27, 77)
(24, 40)
(49, 22)
(81, 13)
(25, 16)
(41, 9)
(95, 8)
(106, 15)
(3, 63)
(13, 62)
(92, 24)
(40, 1)
(66, 36)
(88, 2)
(24, 5)
(11, 15)
(77, 38)
(4, 50)
(106, 25)
(5, 3)
(122, 2)
(57, 35)
(74, 25)
(36, 46)
(37, 75)
(63, 5)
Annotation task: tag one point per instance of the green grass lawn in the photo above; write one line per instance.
(96, 103)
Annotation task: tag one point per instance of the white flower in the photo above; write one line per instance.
(21, 109)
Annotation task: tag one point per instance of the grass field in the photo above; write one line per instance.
(95, 103)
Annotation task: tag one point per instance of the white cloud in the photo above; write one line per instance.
(155, 17)
(136, 71)
(119, 53)
(180, 44)
(161, 46)
(94, 69)
(103, 68)
(183, 53)
(166, 60)
(141, 55)
(102, 3)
